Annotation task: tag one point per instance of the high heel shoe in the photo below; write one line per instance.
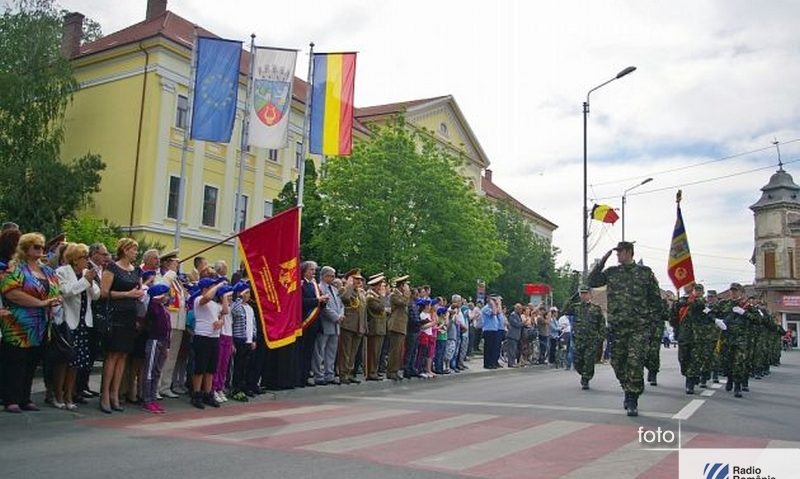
(104, 408)
(117, 407)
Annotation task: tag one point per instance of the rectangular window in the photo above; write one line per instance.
(182, 114)
(298, 155)
(267, 209)
(769, 264)
(272, 155)
(210, 206)
(243, 215)
(173, 199)
(791, 263)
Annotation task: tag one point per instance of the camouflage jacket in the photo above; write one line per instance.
(590, 325)
(634, 297)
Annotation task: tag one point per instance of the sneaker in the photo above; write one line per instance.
(197, 401)
(223, 397)
(150, 407)
(210, 400)
(159, 397)
(159, 409)
(59, 405)
(169, 394)
(217, 396)
(71, 406)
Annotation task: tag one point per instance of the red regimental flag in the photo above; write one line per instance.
(271, 252)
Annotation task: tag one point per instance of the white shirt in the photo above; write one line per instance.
(250, 323)
(564, 324)
(227, 326)
(204, 317)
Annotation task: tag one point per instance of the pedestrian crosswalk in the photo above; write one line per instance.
(468, 444)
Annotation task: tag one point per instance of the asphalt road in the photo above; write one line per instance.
(531, 422)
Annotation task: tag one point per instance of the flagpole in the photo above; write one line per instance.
(186, 132)
(238, 220)
(304, 147)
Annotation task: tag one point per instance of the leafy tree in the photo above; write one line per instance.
(397, 205)
(88, 229)
(311, 215)
(38, 190)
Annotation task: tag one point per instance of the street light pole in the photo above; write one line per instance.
(585, 211)
(624, 196)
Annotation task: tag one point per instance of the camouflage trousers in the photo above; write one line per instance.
(628, 355)
(585, 356)
(652, 358)
(738, 356)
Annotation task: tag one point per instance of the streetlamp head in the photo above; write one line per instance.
(625, 72)
(648, 180)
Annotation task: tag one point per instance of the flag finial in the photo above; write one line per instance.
(678, 197)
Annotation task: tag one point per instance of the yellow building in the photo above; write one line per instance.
(132, 108)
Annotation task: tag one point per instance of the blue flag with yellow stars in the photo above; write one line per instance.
(216, 89)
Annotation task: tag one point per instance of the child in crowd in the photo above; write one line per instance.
(427, 340)
(244, 332)
(158, 328)
(209, 310)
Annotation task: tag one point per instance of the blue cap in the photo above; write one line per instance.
(157, 290)
(441, 310)
(223, 290)
(148, 274)
(3, 266)
(423, 301)
(208, 282)
(241, 286)
(434, 301)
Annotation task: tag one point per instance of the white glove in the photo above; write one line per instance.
(721, 324)
(738, 310)
(707, 310)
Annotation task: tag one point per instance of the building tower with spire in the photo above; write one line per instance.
(777, 238)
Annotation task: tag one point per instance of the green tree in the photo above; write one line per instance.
(397, 205)
(311, 217)
(88, 229)
(37, 189)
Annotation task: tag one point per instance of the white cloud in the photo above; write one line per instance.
(714, 78)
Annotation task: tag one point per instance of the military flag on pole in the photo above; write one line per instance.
(271, 252)
(216, 89)
(273, 78)
(333, 86)
(680, 268)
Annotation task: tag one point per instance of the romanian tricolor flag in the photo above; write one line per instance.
(680, 268)
(271, 252)
(332, 84)
(604, 213)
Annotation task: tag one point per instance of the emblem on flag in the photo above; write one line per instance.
(273, 77)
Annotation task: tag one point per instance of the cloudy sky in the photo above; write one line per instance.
(715, 85)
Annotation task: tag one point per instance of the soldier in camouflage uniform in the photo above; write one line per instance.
(588, 332)
(652, 358)
(739, 318)
(690, 318)
(634, 303)
(716, 340)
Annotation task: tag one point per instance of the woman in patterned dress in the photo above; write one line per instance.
(79, 289)
(30, 290)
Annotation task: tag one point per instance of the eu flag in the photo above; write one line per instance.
(216, 88)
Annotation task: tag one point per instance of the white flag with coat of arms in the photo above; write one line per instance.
(273, 76)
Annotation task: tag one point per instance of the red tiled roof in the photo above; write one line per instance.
(392, 108)
(494, 191)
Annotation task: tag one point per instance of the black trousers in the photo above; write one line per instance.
(305, 351)
(19, 365)
(256, 367)
(410, 359)
(241, 359)
(491, 348)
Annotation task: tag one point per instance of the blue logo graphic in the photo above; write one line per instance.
(716, 471)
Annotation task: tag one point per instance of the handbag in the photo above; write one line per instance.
(101, 319)
(60, 343)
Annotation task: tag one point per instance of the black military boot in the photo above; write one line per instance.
(757, 374)
(633, 406)
(584, 383)
(651, 378)
(729, 384)
(703, 382)
(626, 400)
(737, 390)
(689, 386)
(746, 385)
(714, 378)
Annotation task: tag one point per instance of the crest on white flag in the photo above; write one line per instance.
(273, 76)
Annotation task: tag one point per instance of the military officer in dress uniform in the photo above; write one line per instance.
(354, 325)
(376, 325)
(398, 323)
